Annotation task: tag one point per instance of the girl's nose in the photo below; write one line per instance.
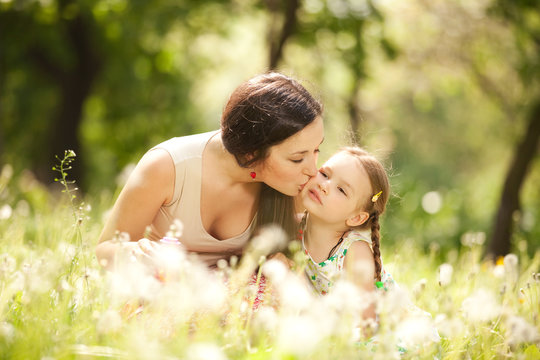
(322, 187)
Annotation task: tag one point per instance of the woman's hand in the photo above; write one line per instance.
(146, 252)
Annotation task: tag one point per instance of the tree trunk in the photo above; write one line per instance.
(509, 203)
(75, 86)
(277, 42)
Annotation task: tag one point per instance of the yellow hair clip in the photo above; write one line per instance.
(376, 196)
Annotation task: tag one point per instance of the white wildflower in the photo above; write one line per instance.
(298, 335)
(481, 306)
(419, 287)
(7, 264)
(122, 237)
(109, 322)
(22, 208)
(293, 293)
(445, 274)
(17, 282)
(471, 239)
(449, 327)
(205, 351)
(270, 239)
(176, 229)
(432, 202)
(416, 331)
(498, 271)
(274, 270)
(5, 212)
(511, 268)
(520, 331)
(7, 331)
(7, 172)
(265, 320)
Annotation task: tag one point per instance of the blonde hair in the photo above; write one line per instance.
(379, 182)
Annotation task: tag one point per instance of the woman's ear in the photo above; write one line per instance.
(358, 219)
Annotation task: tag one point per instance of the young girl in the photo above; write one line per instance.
(345, 198)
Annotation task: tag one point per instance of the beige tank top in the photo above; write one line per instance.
(186, 153)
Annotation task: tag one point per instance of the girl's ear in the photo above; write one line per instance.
(358, 219)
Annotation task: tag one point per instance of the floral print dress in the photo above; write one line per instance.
(322, 275)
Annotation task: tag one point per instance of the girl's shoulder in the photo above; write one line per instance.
(355, 235)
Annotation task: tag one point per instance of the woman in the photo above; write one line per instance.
(223, 184)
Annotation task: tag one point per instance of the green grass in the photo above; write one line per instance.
(57, 303)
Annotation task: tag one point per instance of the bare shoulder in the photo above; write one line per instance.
(150, 185)
(360, 250)
(360, 264)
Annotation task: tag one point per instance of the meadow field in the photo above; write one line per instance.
(57, 302)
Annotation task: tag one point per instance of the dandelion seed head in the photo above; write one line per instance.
(419, 287)
(520, 331)
(445, 274)
(7, 265)
(109, 322)
(7, 172)
(222, 264)
(270, 239)
(347, 297)
(298, 335)
(511, 267)
(416, 331)
(205, 351)
(176, 229)
(481, 306)
(266, 319)
(432, 202)
(449, 327)
(498, 271)
(233, 261)
(471, 239)
(274, 270)
(17, 282)
(22, 208)
(7, 331)
(5, 212)
(294, 294)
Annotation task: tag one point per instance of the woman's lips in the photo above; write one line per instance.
(313, 194)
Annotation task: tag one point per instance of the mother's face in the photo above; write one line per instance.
(290, 164)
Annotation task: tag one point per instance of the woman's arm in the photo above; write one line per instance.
(150, 185)
(360, 269)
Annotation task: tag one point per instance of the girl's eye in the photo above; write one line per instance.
(341, 190)
(323, 173)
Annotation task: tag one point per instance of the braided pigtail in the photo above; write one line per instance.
(375, 243)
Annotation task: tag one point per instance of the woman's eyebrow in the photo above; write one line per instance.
(305, 151)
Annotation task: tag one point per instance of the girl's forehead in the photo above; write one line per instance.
(342, 158)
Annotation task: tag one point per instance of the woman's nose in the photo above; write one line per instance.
(311, 169)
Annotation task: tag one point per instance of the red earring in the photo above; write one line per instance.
(253, 174)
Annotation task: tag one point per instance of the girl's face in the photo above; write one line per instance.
(290, 164)
(338, 191)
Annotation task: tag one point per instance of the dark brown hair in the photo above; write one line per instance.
(379, 182)
(263, 112)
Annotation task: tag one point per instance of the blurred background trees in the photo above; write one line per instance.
(446, 92)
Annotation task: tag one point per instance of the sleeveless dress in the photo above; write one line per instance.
(186, 153)
(322, 275)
